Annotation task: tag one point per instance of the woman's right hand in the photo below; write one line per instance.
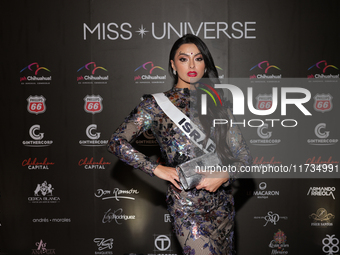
(168, 174)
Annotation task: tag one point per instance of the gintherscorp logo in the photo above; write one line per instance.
(265, 137)
(265, 69)
(36, 104)
(322, 133)
(145, 73)
(93, 104)
(322, 218)
(147, 139)
(35, 75)
(93, 136)
(43, 193)
(92, 74)
(41, 248)
(325, 68)
(37, 138)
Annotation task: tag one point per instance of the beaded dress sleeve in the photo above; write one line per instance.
(138, 121)
(238, 147)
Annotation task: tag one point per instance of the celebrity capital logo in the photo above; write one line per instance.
(149, 77)
(326, 70)
(264, 66)
(34, 75)
(88, 75)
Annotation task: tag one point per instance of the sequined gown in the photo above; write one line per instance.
(203, 221)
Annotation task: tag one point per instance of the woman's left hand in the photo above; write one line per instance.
(211, 184)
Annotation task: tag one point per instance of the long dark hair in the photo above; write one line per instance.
(213, 111)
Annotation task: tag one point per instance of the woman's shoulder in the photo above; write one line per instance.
(149, 98)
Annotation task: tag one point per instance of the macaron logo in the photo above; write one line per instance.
(34, 74)
(149, 76)
(267, 68)
(325, 68)
(91, 74)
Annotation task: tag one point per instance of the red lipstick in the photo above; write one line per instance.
(192, 74)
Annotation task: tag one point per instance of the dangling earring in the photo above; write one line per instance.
(205, 70)
(174, 71)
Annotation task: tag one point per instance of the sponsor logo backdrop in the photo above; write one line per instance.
(73, 70)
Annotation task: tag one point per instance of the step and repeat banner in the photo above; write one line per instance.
(73, 70)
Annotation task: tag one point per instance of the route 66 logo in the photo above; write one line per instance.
(323, 102)
(93, 104)
(36, 104)
(264, 102)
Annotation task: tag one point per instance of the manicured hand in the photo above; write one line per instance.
(168, 174)
(211, 184)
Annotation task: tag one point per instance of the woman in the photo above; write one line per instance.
(202, 217)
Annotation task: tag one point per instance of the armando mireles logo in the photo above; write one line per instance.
(34, 74)
(328, 71)
(145, 74)
(92, 74)
(267, 68)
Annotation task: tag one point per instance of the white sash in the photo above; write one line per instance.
(189, 128)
